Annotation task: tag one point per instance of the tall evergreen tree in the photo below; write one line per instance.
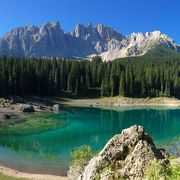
(122, 85)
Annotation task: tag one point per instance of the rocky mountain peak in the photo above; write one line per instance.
(85, 40)
(82, 30)
(53, 26)
(100, 31)
(155, 35)
(108, 32)
(160, 35)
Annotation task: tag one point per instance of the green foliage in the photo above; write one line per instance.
(161, 50)
(157, 170)
(82, 155)
(97, 59)
(175, 174)
(122, 85)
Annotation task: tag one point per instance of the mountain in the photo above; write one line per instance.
(49, 40)
(138, 44)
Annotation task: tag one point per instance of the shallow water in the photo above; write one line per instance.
(49, 152)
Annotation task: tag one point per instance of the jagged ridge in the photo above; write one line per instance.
(49, 40)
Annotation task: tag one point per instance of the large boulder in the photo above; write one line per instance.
(125, 156)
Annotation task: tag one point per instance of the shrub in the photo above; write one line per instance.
(82, 155)
(158, 170)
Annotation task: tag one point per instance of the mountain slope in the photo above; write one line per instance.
(49, 40)
(138, 44)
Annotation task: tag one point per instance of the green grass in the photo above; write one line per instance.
(4, 177)
(31, 125)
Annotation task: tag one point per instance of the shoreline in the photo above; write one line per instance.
(18, 174)
(45, 104)
(122, 102)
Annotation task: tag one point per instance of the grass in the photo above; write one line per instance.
(4, 177)
(31, 125)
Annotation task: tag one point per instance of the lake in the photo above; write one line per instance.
(49, 151)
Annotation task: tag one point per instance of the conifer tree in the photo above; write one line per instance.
(122, 85)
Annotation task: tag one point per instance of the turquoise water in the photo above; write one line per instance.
(49, 152)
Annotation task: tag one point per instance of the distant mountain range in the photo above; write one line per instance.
(49, 40)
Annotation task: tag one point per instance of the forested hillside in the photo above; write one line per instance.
(131, 77)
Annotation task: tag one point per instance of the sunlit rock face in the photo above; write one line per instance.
(125, 156)
(49, 40)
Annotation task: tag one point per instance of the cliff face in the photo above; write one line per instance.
(49, 40)
(125, 156)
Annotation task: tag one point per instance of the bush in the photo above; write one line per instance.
(158, 170)
(82, 155)
(175, 172)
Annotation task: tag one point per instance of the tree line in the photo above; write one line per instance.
(130, 77)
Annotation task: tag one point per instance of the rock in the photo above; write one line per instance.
(56, 107)
(12, 101)
(75, 172)
(4, 117)
(27, 108)
(86, 40)
(7, 116)
(50, 108)
(41, 107)
(125, 156)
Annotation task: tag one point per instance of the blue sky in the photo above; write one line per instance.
(127, 16)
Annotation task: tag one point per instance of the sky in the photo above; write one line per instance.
(126, 16)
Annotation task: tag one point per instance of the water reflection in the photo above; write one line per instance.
(90, 126)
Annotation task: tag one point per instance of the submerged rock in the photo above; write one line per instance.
(27, 108)
(4, 117)
(125, 156)
(56, 107)
(7, 116)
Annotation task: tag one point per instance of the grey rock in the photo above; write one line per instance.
(125, 156)
(49, 40)
(56, 107)
(75, 172)
(4, 117)
(7, 116)
(27, 108)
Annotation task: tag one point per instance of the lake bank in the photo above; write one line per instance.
(11, 173)
(45, 104)
(122, 102)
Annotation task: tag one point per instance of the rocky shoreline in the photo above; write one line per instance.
(15, 105)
